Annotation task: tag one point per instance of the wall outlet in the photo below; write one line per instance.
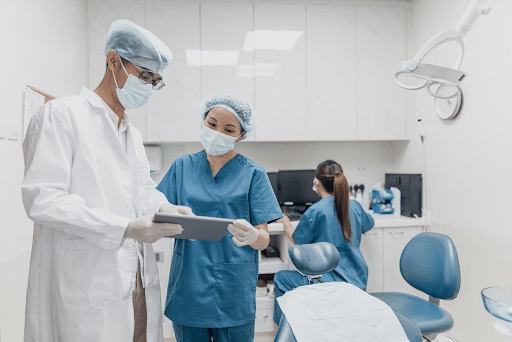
(14, 131)
(3, 129)
(159, 256)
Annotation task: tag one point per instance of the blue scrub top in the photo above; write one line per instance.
(320, 223)
(213, 284)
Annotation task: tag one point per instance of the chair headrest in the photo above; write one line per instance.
(314, 258)
(429, 262)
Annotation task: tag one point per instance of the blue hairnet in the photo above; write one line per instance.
(138, 45)
(236, 105)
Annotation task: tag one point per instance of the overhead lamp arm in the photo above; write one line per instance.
(436, 75)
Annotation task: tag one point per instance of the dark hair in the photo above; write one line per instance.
(330, 174)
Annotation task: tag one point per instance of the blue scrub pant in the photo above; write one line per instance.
(232, 334)
(288, 280)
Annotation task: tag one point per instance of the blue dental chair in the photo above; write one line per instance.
(315, 259)
(429, 263)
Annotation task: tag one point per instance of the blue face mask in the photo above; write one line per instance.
(134, 93)
(216, 143)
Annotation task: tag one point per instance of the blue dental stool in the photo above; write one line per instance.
(315, 259)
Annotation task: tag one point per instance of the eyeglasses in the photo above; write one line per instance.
(146, 78)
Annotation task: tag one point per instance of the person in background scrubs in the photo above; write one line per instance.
(334, 219)
(93, 273)
(212, 285)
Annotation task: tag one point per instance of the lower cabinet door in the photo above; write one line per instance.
(395, 240)
(372, 247)
(265, 320)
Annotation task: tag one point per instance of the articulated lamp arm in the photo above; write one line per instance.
(436, 75)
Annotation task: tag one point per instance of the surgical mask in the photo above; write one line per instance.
(134, 93)
(315, 190)
(216, 143)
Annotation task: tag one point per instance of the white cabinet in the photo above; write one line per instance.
(331, 73)
(382, 248)
(381, 105)
(395, 240)
(227, 51)
(312, 72)
(372, 247)
(280, 71)
(172, 111)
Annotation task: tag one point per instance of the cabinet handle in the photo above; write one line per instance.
(262, 317)
(393, 233)
(370, 234)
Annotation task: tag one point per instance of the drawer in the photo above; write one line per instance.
(265, 321)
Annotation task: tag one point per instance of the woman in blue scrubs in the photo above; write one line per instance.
(212, 285)
(334, 219)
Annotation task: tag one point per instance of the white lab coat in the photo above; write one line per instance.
(81, 189)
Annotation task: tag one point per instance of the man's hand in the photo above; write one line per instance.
(143, 229)
(176, 209)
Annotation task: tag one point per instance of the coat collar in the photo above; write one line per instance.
(97, 102)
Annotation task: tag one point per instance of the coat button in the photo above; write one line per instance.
(125, 166)
(127, 203)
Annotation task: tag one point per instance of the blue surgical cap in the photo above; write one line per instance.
(236, 105)
(138, 45)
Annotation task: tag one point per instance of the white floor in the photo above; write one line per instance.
(264, 337)
(258, 337)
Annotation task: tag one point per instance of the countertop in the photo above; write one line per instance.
(381, 221)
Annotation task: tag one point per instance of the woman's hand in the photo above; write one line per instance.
(244, 233)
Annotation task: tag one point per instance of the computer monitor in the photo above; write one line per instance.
(274, 181)
(296, 187)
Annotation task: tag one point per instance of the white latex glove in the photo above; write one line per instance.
(143, 229)
(176, 209)
(244, 233)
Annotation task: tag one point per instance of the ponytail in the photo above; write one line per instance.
(330, 174)
(341, 204)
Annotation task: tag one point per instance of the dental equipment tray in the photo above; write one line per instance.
(381, 203)
(197, 227)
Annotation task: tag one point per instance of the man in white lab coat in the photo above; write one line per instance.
(93, 273)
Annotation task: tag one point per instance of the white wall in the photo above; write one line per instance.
(43, 44)
(468, 160)
(362, 162)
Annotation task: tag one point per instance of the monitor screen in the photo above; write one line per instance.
(297, 187)
(273, 177)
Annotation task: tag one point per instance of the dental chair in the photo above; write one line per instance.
(429, 263)
(313, 260)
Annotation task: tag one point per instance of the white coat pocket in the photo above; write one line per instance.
(86, 273)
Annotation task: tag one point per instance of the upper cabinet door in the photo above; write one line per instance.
(331, 73)
(225, 64)
(280, 71)
(101, 15)
(381, 103)
(172, 111)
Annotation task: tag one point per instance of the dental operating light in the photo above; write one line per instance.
(439, 75)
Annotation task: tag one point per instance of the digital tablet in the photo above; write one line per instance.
(197, 227)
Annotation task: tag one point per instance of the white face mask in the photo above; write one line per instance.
(216, 143)
(134, 94)
(315, 190)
